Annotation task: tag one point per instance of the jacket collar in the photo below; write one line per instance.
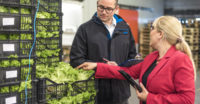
(170, 52)
(161, 64)
(98, 21)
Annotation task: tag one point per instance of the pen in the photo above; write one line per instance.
(105, 59)
(130, 62)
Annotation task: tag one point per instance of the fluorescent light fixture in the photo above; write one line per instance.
(197, 19)
(186, 21)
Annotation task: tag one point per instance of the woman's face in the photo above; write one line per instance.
(155, 37)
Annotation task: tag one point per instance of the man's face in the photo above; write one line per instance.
(106, 9)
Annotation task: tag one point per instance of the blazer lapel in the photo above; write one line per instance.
(161, 64)
(148, 63)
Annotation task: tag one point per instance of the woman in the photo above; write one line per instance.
(167, 76)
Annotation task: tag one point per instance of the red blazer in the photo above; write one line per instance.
(170, 82)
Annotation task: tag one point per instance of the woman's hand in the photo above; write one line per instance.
(142, 95)
(87, 65)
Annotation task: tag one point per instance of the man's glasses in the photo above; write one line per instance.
(102, 8)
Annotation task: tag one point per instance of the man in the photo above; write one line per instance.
(108, 36)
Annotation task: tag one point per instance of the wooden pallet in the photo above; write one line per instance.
(197, 24)
(192, 37)
(194, 48)
(146, 42)
(188, 30)
(145, 36)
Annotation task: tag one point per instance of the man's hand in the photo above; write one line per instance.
(87, 65)
(110, 62)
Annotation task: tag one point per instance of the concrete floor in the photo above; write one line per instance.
(133, 99)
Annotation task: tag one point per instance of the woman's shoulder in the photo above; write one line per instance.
(179, 54)
(181, 58)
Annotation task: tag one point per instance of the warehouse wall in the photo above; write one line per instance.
(183, 4)
(72, 15)
(82, 11)
(145, 16)
(89, 8)
(72, 18)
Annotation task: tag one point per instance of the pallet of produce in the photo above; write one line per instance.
(83, 86)
(15, 69)
(77, 93)
(50, 6)
(16, 19)
(61, 82)
(15, 94)
(48, 50)
(18, 2)
(21, 48)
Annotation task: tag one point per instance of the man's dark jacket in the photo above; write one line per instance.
(92, 42)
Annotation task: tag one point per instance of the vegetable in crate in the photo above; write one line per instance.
(43, 15)
(26, 36)
(7, 63)
(3, 9)
(15, 88)
(62, 73)
(3, 36)
(25, 11)
(14, 36)
(4, 63)
(78, 99)
(26, 61)
(15, 63)
(25, 1)
(14, 10)
(22, 86)
(4, 90)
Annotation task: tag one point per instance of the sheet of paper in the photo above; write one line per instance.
(11, 74)
(9, 47)
(8, 21)
(11, 100)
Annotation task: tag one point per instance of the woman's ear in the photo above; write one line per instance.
(161, 34)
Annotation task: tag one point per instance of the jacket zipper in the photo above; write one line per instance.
(109, 43)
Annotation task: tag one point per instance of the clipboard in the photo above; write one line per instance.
(130, 62)
(130, 80)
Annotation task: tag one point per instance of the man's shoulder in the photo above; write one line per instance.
(87, 23)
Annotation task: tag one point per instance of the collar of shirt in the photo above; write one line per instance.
(111, 27)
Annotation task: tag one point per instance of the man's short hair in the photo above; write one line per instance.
(116, 2)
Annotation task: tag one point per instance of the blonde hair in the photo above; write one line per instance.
(172, 29)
